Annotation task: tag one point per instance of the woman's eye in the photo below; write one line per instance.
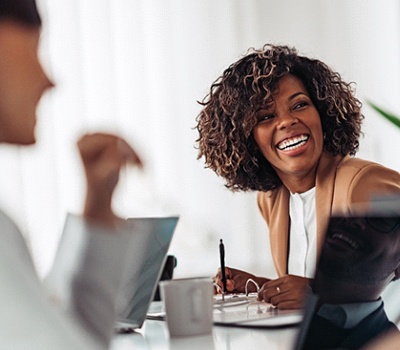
(265, 117)
(300, 105)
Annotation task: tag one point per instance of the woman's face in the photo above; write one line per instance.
(22, 82)
(289, 134)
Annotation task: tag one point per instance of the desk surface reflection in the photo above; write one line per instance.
(154, 335)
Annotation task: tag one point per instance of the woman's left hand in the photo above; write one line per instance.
(287, 292)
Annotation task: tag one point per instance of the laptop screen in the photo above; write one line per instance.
(144, 267)
(360, 257)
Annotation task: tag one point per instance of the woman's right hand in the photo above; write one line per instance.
(236, 281)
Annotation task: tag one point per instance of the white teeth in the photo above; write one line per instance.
(346, 239)
(293, 143)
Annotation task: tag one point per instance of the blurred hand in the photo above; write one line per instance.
(236, 281)
(287, 292)
(103, 155)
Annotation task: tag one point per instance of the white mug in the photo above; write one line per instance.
(188, 305)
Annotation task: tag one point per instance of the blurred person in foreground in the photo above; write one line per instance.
(28, 320)
(287, 126)
(360, 257)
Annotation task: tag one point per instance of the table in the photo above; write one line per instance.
(154, 335)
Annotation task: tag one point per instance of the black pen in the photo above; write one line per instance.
(222, 258)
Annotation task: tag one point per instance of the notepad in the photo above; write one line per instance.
(247, 311)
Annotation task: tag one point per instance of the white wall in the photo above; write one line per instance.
(138, 68)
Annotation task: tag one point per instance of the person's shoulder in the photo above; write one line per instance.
(264, 200)
(361, 180)
(269, 196)
(10, 230)
(357, 162)
(12, 241)
(267, 200)
(354, 165)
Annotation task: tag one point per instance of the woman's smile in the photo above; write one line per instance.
(293, 143)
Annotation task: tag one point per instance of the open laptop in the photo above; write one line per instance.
(143, 269)
(356, 250)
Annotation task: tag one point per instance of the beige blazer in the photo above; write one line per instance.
(340, 182)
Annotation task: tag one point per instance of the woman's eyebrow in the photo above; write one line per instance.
(291, 97)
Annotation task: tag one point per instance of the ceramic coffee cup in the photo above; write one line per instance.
(188, 305)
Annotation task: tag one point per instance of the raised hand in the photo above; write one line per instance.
(103, 155)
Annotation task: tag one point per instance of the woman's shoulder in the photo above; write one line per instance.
(355, 162)
(271, 195)
(268, 200)
(361, 167)
(359, 180)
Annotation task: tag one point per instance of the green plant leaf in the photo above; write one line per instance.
(387, 115)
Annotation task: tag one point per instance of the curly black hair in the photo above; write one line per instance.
(226, 122)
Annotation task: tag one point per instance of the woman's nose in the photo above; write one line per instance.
(287, 119)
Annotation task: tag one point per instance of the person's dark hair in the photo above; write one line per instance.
(226, 122)
(21, 11)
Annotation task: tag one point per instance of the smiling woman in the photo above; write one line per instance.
(287, 125)
(237, 102)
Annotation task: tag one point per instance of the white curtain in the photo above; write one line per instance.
(137, 68)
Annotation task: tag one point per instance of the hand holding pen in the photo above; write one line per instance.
(235, 281)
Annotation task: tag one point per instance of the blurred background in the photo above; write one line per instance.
(138, 68)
